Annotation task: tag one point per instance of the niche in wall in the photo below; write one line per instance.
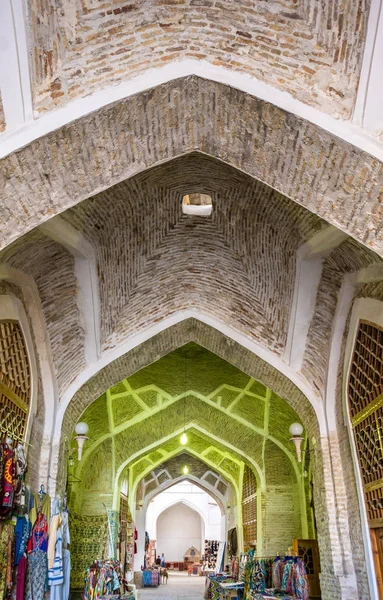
(178, 528)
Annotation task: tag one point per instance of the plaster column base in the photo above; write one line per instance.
(138, 579)
(335, 587)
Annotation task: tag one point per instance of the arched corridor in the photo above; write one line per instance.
(191, 299)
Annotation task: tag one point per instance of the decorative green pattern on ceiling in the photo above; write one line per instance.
(212, 454)
(195, 388)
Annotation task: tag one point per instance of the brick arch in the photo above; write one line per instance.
(197, 476)
(329, 536)
(171, 338)
(190, 479)
(314, 168)
(263, 42)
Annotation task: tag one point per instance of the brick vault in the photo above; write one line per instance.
(146, 322)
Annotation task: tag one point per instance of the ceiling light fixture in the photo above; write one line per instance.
(296, 430)
(185, 470)
(184, 439)
(81, 429)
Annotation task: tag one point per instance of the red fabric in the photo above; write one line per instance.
(8, 481)
(39, 537)
(20, 578)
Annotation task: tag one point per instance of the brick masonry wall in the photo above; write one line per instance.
(347, 258)
(148, 251)
(51, 266)
(171, 339)
(281, 508)
(245, 440)
(350, 498)
(326, 175)
(311, 50)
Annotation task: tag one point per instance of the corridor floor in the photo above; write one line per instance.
(179, 587)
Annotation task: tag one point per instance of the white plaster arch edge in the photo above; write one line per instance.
(189, 505)
(175, 434)
(202, 457)
(32, 302)
(26, 128)
(344, 302)
(88, 297)
(135, 340)
(201, 483)
(308, 273)
(370, 310)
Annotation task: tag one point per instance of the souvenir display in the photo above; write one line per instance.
(210, 553)
(34, 550)
(273, 577)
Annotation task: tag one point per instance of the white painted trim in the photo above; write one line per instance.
(343, 305)
(199, 210)
(143, 451)
(11, 308)
(20, 20)
(368, 54)
(370, 310)
(19, 136)
(202, 483)
(188, 504)
(10, 84)
(41, 339)
(88, 298)
(344, 302)
(135, 340)
(309, 260)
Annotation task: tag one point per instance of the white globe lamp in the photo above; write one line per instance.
(81, 429)
(184, 439)
(296, 430)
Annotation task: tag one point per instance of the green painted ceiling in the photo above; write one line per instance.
(229, 415)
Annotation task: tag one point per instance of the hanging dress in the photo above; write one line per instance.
(56, 570)
(20, 491)
(37, 560)
(6, 559)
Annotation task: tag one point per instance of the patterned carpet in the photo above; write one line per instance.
(179, 587)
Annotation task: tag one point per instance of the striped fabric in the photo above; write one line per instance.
(56, 573)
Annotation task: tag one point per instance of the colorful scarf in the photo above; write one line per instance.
(8, 482)
(39, 537)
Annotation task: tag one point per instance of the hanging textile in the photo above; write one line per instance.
(56, 570)
(37, 559)
(22, 534)
(101, 579)
(300, 583)
(67, 569)
(7, 482)
(6, 558)
(89, 539)
(1, 466)
(54, 530)
(286, 576)
(36, 575)
(20, 490)
(20, 578)
(276, 573)
(113, 518)
(41, 502)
